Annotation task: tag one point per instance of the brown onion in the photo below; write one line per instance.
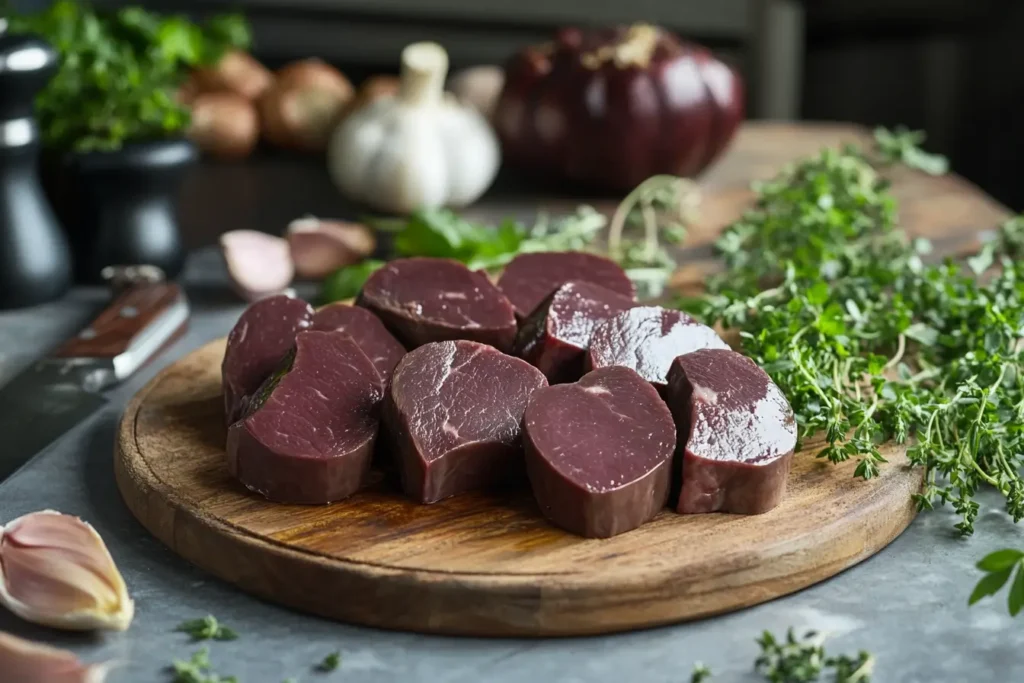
(302, 107)
(224, 125)
(372, 89)
(237, 72)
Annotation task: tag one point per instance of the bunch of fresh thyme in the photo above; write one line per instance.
(868, 342)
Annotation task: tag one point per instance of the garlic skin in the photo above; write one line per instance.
(56, 571)
(418, 149)
(22, 661)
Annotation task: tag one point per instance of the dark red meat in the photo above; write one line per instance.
(556, 335)
(368, 332)
(308, 433)
(647, 339)
(530, 278)
(736, 433)
(423, 300)
(453, 412)
(259, 340)
(599, 452)
(613, 107)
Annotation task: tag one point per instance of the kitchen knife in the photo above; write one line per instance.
(57, 392)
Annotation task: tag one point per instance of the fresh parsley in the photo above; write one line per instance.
(330, 662)
(868, 342)
(345, 283)
(120, 71)
(999, 567)
(197, 670)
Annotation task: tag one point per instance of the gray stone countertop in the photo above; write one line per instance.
(907, 605)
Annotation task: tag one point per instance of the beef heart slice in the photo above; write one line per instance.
(529, 279)
(309, 431)
(736, 433)
(259, 340)
(599, 452)
(557, 334)
(647, 339)
(453, 414)
(366, 330)
(423, 300)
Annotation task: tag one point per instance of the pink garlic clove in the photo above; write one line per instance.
(479, 87)
(55, 570)
(320, 247)
(22, 661)
(259, 264)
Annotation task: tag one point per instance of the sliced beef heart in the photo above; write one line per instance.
(425, 300)
(647, 339)
(367, 330)
(308, 433)
(259, 340)
(599, 452)
(530, 278)
(736, 433)
(555, 337)
(453, 412)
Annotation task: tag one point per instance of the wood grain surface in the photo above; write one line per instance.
(480, 564)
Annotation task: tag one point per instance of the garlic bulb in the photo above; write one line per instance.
(418, 149)
(23, 661)
(55, 570)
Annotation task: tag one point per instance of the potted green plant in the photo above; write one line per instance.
(114, 130)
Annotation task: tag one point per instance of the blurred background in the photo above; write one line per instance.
(951, 68)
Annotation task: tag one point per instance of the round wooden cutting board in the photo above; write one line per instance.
(481, 564)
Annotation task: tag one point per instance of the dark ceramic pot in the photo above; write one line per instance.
(119, 208)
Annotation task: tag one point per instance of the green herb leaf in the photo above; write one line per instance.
(345, 283)
(1016, 597)
(1000, 559)
(990, 585)
(903, 146)
(206, 628)
(700, 673)
(330, 662)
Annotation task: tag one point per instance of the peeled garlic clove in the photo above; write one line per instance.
(23, 661)
(55, 570)
(260, 265)
(320, 247)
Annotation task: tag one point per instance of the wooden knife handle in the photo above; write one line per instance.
(123, 321)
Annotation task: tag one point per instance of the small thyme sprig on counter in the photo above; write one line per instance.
(803, 660)
(330, 662)
(196, 669)
(206, 628)
(869, 343)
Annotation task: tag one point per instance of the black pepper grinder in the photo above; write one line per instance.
(35, 260)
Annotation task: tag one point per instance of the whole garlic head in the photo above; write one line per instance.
(418, 149)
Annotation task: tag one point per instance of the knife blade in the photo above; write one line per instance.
(57, 392)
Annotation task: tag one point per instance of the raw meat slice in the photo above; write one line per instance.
(528, 279)
(308, 433)
(367, 330)
(556, 336)
(599, 452)
(647, 339)
(736, 433)
(453, 413)
(423, 300)
(264, 333)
